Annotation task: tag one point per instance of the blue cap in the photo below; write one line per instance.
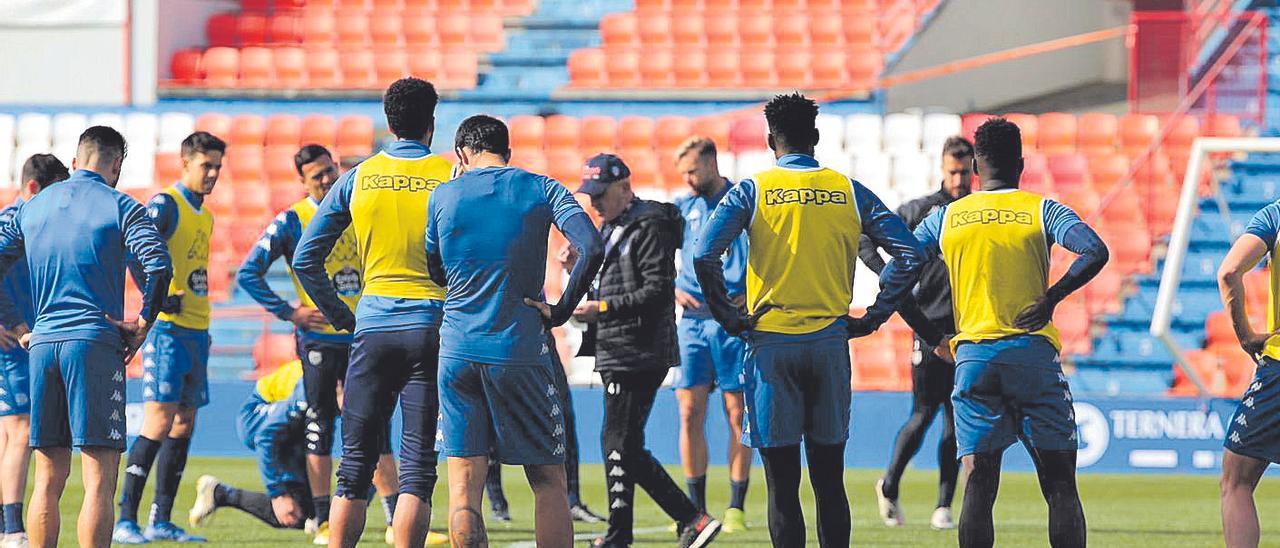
(601, 171)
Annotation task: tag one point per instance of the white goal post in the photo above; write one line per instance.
(1188, 204)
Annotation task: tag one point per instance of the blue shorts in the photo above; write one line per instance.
(175, 365)
(709, 356)
(15, 382)
(797, 388)
(510, 411)
(1254, 430)
(78, 392)
(996, 404)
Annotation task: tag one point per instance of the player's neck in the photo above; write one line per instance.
(486, 159)
(997, 184)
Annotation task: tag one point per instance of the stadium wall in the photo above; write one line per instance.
(1125, 435)
(1018, 23)
(73, 63)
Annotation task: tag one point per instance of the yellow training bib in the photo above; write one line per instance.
(279, 384)
(997, 254)
(1272, 348)
(803, 241)
(189, 249)
(342, 264)
(389, 218)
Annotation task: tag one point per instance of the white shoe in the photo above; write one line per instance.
(204, 506)
(14, 540)
(890, 512)
(942, 519)
(310, 526)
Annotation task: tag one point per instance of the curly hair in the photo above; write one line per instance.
(998, 141)
(793, 120)
(410, 106)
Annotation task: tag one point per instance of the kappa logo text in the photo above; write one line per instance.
(988, 216)
(779, 196)
(397, 182)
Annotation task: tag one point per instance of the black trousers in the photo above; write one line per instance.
(628, 399)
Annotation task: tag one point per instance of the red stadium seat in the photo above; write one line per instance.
(714, 127)
(217, 124)
(1184, 132)
(386, 29)
(220, 30)
(758, 68)
(285, 29)
(251, 28)
(1029, 125)
(688, 30)
(1107, 171)
(419, 29)
(1130, 249)
(355, 136)
(425, 63)
(357, 69)
(1057, 133)
(793, 69)
(1218, 329)
(792, 30)
(1137, 133)
(319, 129)
(755, 30)
(645, 173)
(390, 65)
(586, 68)
(723, 69)
(969, 124)
(460, 70)
(527, 132)
(485, 34)
(1224, 125)
(278, 161)
(290, 67)
(529, 159)
(318, 27)
(826, 31)
(353, 29)
(861, 31)
(748, 134)
(654, 30)
(670, 132)
(829, 70)
(1082, 199)
(690, 69)
(620, 30)
(272, 350)
(635, 132)
(722, 34)
(248, 130)
(599, 134)
(222, 67)
(168, 166)
(1072, 319)
(657, 68)
(864, 69)
(187, 66)
(354, 5)
(322, 69)
(562, 133)
(565, 165)
(1070, 171)
(247, 163)
(1103, 292)
(623, 69)
(1096, 133)
(1035, 175)
(255, 68)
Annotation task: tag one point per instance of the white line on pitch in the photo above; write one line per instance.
(590, 536)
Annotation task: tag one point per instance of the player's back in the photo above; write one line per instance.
(996, 248)
(491, 228)
(74, 237)
(803, 243)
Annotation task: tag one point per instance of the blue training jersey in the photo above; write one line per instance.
(80, 233)
(696, 210)
(271, 423)
(489, 227)
(1019, 349)
(16, 307)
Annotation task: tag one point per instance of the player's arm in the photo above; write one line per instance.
(573, 221)
(279, 237)
(146, 245)
(435, 263)
(890, 233)
(332, 217)
(727, 223)
(735, 270)
(1066, 229)
(1247, 251)
(163, 213)
(12, 249)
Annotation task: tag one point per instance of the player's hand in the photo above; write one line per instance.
(739, 300)
(308, 319)
(568, 256)
(287, 511)
(25, 341)
(587, 312)
(543, 308)
(132, 334)
(943, 351)
(686, 301)
(1035, 316)
(1253, 343)
(173, 303)
(858, 327)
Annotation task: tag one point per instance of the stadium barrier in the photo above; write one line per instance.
(1117, 435)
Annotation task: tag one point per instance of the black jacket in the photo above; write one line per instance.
(637, 280)
(933, 292)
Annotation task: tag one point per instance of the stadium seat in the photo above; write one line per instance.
(863, 133)
(1103, 292)
(247, 130)
(318, 28)
(901, 132)
(722, 32)
(793, 69)
(635, 132)
(1224, 125)
(753, 161)
(186, 67)
(221, 66)
(911, 175)
(755, 30)
(419, 29)
(174, 127)
(1035, 175)
(1096, 133)
(748, 134)
(645, 173)
(425, 63)
(669, 133)
(791, 30)
(654, 30)
(484, 34)
(290, 67)
(830, 134)
(1072, 319)
(527, 132)
(109, 119)
(599, 134)
(271, 350)
(969, 123)
(1107, 171)
(251, 29)
(690, 69)
(357, 68)
(220, 30)
(386, 30)
(255, 68)
(860, 30)
(389, 66)
(688, 31)
(936, 128)
(217, 124)
(286, 29)
(319, 129)
(620, 30)
(530, 160)
(1070, 171)
(278, 163)
(1130, 248)
(829, 70)
(1137, 133)
(657, 68)
(758, 68)
(623, 69)
(586, 68)
(724, 69)
(322, 68)
(716, 128)
(562, 133)
(141, 130)
(1218, 328)
(1083, 200)
(864, 69)
(826, 31)
(565, 165)
(1057, 133)
(355, 136)
(352, 30)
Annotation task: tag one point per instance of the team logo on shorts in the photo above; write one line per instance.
(316, 357)
(347, 282)
(198, 281)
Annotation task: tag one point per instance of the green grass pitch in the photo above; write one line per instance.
(1139, 510)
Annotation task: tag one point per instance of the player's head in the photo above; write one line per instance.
(482, 141)
(957, 166)
(793, 124)
(696, 163)
(998, 153)
(101, 150)
(606, 179)
(410, 105)
(40, 171)
(316, 170)
(202, 161)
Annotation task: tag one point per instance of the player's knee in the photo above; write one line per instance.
(545, 477)
(418, 484)
(319, 435)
